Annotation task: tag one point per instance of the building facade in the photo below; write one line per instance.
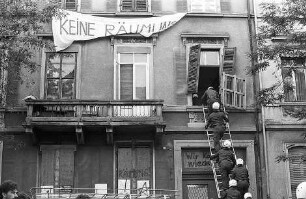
(119, 112)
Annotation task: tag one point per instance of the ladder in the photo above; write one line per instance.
(214, 164)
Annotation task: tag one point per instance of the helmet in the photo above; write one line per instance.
(216, 105)
(239, 161)
(301, 191)
(247, 195)
(232, 183)
(227, 143)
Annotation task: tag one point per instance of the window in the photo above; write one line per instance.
(293, 73)
(133, 76)
(134, 168)
(60, 75)
(134, 5)
(68, 4)
(205, 6)
(297, 167)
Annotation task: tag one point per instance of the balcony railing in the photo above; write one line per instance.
(89, 110)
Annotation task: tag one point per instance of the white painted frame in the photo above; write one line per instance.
(287, 146)
(217, 6)
(179, 144)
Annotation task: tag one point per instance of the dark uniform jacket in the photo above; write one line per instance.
(210, 95)
(224, 154)
(240, 173)
(217, 119)
(232, 193)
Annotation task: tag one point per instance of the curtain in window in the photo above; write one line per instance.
(287, 79)
(297, 167)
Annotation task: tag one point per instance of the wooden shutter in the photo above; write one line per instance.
(70, 4)
(66, 167)
(126, 5)
(179, 60)
(229, 60)
(85, 5)
(126, 82)
(300, 86)
(225, 6)
(47, 167)
(287, 79)
(181, 6)
(193, 68)
(297, 167)
(141, 5)
(111, 6)
(156, 6)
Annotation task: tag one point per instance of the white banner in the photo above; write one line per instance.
(76, 26)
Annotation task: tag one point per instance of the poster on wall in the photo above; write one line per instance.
(143, 187)
(124, 186)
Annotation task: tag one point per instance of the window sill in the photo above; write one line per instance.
(133, 14)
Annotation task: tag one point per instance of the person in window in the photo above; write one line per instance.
(217, 120)
(209, 97)
(8, 190)
(241, 174)
(226, 159)
(232, 192)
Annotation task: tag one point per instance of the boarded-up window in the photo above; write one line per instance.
(297, 167)
(134, 168)
(134, 5)
(57, 166)
(233, 91)
(293, 73)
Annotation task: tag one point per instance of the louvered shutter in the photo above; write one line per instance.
(229, 60)
(85, 5)
(225, 6)
(179, 61)
(193, 68)
(126, 82)
(111, 6)
(287, 79)
(141, 5)
(70, 4)
(181, 5)
(127, 5)
(297, 167)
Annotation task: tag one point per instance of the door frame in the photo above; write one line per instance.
(178, 175)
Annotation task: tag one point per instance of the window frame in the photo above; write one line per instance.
(293, 75)
(64, 4)
(133, 10)
(217, 7)
(45, 79)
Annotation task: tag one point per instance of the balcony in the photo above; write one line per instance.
(80, 113)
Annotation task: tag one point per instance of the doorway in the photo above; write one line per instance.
(199, 189)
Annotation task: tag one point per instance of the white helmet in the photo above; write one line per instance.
(232, 183)
(301, 191)
(216, 105)
(247, 195)
(239, 161)
(227, 143)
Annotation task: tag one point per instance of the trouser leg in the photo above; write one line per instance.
(225, 168)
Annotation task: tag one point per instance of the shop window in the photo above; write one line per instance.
(204, 6)
(297, 167)
(60, 75)
(134, 5)
(134, 168)
(293, 73)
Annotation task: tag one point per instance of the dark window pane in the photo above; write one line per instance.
(53, 89)
(67, 88)
(126, 81)
(68, 66)
(53, 65)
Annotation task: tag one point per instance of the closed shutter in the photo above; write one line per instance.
(297, 167)
(287, 85)
(156, 6)
(126, 82)
(111, 6)
(225, 6)
(126, 5)
(181, 5)
(85, 5)
(70, 4)
(300, 85)
(193, 68)
(66, 167)
(180, 69)
(47, 167)
(141, 5)
(229, 60)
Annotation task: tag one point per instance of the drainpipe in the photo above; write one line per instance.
(265, 138)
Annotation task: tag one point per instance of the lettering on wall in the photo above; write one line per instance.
(196, 160)
(134, 173)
